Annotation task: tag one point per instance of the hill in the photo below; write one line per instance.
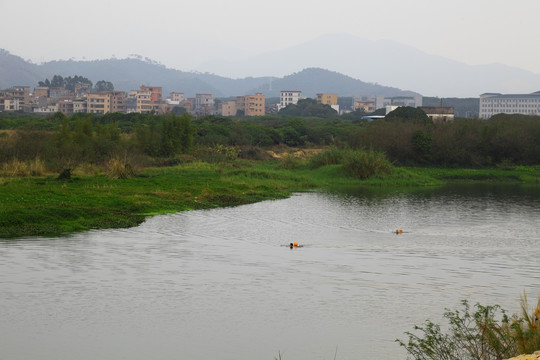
(316, 80)
(385, 62)
(128, 74)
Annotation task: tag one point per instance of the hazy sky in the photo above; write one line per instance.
(182, 34)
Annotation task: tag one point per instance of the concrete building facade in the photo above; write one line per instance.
(289, 97)
(228, 108)
(494, 103)
(254, 105)
(439, 113)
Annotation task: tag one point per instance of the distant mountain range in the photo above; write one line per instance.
(301, 67)
(385, 62)
(129, 74)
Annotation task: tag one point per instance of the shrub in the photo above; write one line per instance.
(479, 333)
(15, 168)
(363, 164)
(331, 156)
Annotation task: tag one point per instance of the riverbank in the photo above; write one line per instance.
(45, 206)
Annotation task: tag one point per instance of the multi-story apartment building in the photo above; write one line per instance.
(143, 101)
(493, 103)
(98, 103)
(11, 105)
(204, 104)
(156, 93)
(40, 92)
(254, 105)
(80, 106)
(56, 94)
(177, 97)
(412, 101)
(328, 99)
(228, 108)
(241, 103)
(288, 97)
(65, 106)
(365, 106)
(15, 98)
(117, 100)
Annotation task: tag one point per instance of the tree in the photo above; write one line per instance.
(57, 81)
(176, 135)
(103, 85)
(408, 114)
(421, 143)
(308, 108)
(69, 82)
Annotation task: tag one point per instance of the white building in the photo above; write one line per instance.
(492, 104)
(412, 101)
(288, 97)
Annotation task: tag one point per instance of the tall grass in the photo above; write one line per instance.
(119, 169)
(17, 168)
(360, 164)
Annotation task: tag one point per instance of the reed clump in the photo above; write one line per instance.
(17, 168)
(119, 169)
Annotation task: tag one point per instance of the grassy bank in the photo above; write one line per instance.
(45, 206)
(517, 174)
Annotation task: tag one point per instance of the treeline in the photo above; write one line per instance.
(88, 139)
(408, 139)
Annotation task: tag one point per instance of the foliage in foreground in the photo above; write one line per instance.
(476, 333)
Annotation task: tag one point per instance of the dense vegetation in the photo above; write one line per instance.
(406, 138)
(175, 162)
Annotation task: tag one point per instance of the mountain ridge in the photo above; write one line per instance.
(129, 73)
(387, 62)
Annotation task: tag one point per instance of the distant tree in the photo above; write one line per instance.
(308, 108)
(57, 81)
(408, 114)
(422, 143)
(68, 82)
(45, 83)
(103, 85)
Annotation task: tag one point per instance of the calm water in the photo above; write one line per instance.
(219, 284)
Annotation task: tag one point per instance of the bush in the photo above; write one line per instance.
(479, 333)
(363, 164)
(330, 156)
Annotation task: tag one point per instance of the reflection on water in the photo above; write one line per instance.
(223, 284)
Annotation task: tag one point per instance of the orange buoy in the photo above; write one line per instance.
(295, 244)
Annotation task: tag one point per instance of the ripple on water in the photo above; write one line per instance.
(200, 283)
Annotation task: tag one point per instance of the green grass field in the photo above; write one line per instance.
(44, 206)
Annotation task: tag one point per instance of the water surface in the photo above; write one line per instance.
(219, 284)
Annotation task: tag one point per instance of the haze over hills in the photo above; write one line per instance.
(383, 67)
(385, 62)
(130, 73)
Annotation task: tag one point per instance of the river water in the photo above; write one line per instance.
(220, 284)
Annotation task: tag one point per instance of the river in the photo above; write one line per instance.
(223, 284)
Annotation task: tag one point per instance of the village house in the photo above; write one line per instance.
(439, 113)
